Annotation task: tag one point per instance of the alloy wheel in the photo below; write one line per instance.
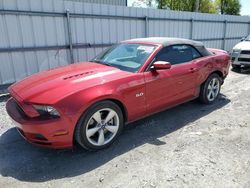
(213, 89)
(102, 127)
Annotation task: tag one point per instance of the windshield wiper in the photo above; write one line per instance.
(101, 62)
(104, 63)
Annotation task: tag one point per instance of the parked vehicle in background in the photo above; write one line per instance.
(90, 102)
(240, 54)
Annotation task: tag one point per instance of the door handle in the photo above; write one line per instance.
(192, 70)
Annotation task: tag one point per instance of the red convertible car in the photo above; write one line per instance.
(88, 103)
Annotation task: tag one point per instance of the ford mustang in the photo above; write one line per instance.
(90, 102)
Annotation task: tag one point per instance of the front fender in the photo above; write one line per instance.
(76, 104)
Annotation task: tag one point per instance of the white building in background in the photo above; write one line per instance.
(129, 3)
(110, 2)
(142, 3)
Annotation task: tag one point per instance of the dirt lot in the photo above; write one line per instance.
(191, 145)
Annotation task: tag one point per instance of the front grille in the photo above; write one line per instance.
(42, 143)
(40, 137)
(244, 59)
(245, 52)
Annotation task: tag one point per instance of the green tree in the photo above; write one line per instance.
(207, 6)
(231, 7)
(204, 6)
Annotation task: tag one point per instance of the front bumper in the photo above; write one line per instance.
(53, 133)
(241, 58)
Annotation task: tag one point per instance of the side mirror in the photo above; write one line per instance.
(159, 65)
(243, 38)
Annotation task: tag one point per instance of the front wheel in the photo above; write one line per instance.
(210, 89)
(99, 126)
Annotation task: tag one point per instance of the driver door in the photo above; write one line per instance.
(160, 90)
(166, 88)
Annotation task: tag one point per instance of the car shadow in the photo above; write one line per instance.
(243, 70)
(26, 162)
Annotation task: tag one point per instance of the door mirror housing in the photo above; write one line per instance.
(160, 65)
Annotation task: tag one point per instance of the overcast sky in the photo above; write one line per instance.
(245, 6)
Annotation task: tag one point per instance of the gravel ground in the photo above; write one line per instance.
(192, 145)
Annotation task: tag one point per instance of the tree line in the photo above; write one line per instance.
(230, 7)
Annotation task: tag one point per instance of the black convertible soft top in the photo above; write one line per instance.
(165, 41)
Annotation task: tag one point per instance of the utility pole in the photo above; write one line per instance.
(222, 7)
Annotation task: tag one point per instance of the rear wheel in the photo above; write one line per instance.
(210, 89)
(99, 126)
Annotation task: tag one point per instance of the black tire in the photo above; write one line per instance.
(205, 89)
(80, 134)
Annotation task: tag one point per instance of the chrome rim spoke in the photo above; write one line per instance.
(110, 115)
(213, 82)
(212, 94)
(112, 128)
(97, 117)
(209, 87)
(209, 94)
(101, 138)
(92, 131)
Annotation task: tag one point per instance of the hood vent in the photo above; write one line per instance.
(77, 75)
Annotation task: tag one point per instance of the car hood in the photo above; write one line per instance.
(51, 86)
(245, 45)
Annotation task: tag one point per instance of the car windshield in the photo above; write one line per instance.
(247, 38)
(127, 57)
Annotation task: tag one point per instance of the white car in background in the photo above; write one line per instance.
(240, 54)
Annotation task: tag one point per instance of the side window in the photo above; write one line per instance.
(177, 54)
(195, 53)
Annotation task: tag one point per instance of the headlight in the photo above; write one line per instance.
(236, 50)
(46, 110)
